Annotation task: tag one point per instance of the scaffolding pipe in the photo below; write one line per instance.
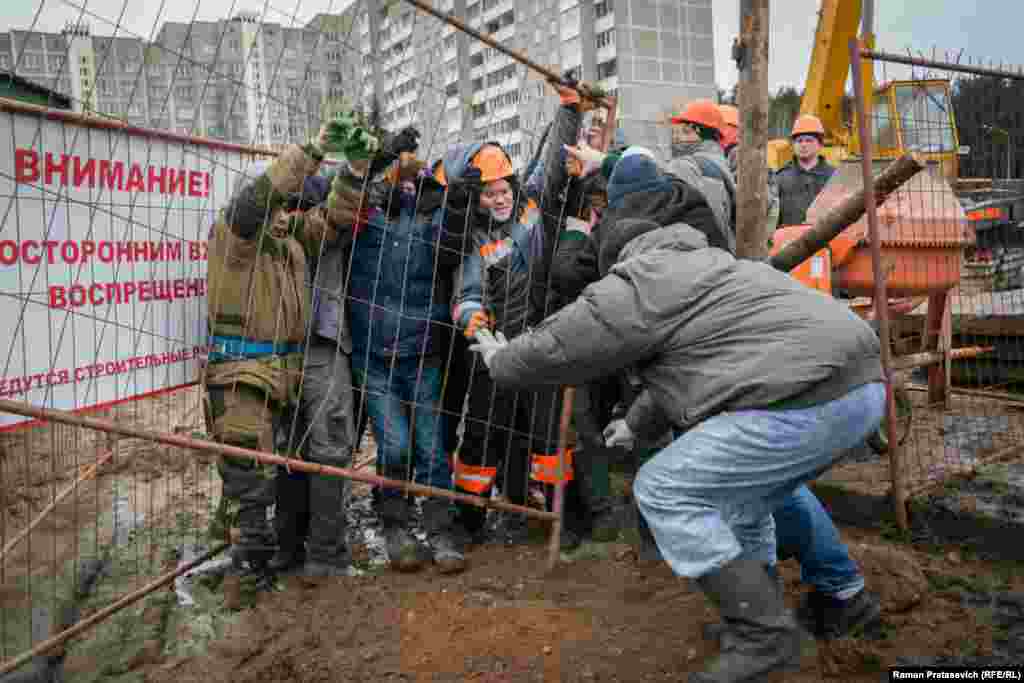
(93, 619)
(508, 52)
(880, 295)
(69, 418)
(945, 66)
(555, 540)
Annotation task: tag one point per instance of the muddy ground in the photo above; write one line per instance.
(602, 616)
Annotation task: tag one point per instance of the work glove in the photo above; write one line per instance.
(618, 435)
(479, 320)
(347, 204)
(462, 191)
(346, 134)
(393, 146)
(488, 344)
(586, 154)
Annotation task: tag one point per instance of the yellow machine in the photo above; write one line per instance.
(904, 115)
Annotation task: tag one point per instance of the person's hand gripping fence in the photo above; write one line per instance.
(618, 435)
(487, 344)
(479, 320)
(348, 135)
(587, 155)
(393, 146)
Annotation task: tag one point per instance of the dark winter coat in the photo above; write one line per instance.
(707, 332)
(505, 272)
(679, 193)
(798, 189)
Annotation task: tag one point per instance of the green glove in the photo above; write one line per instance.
(348, 135)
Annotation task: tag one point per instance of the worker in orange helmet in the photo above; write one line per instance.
(511, 228)
(805, 176)
(730, 131)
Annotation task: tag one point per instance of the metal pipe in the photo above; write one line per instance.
(66, 417)
(84, 476)
(919, 360)
(93, 619)
(880, 294)
(514, 54)
(555, 540)
(945, 66)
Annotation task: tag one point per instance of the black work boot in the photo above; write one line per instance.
(251, 492)
(472, 521)
(291, 521)
(404, 552)
(760, 634)
(827, 617)
(714, 630)
(445, 541)
(327, 554)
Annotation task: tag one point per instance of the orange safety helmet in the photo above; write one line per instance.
(730, 115)
(492, 161)
(703, 113)
(808, 124)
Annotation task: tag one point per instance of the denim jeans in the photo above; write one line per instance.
(709, 496)
(804, 531)
(402, 396)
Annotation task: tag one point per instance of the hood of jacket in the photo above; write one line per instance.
(645, 236)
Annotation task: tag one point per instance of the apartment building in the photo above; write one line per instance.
(250, 80)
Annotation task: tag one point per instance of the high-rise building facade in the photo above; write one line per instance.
(254, 81)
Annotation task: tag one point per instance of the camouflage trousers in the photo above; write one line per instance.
(244, 416)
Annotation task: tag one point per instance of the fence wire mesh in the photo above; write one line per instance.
(108, 200)
(951, 256)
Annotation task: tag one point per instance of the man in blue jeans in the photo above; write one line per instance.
(398, 306)
(769, 383)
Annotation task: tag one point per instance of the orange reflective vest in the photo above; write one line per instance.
(476, 479)
(544, 467)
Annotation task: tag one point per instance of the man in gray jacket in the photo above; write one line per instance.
(765, 382)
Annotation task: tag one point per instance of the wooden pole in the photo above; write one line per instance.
(881, 296)
(555, 540)
(847, 212)
(97, 617)
(752, 165)
(69, 418)
(89, 472)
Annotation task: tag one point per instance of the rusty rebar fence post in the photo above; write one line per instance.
(190, 444)
(880, 294)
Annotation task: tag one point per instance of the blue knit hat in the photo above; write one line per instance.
(635, 171)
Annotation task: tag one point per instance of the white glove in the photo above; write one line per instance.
(618, 435)
(488, 343)
(586, 154)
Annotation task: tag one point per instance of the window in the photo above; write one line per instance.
(478, 84)
(606, 69)
(183, 92)
(477, 59)
(452, 90)
(5, 61)
(479, 110)
(56, 62)
(602, 8)
(32, 62)
(605, 38)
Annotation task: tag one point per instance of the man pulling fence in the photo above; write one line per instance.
(765, 382)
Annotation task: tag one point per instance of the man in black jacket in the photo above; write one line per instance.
(769, 383)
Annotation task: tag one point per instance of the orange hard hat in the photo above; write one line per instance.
(807, 124)
(703, 113)
(493, 162)
(730, 114)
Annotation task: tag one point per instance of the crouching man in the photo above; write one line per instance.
(765, 382)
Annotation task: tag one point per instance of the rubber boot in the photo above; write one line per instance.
(404, 552)
(827, 617)
(714, 630)
(291, 521)
(472, 521)
(760, 635)
(446, 543)
(327, 554)
(253, 492)
(648, 550)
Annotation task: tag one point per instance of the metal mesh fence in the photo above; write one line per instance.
(950, 250)
(108, 198)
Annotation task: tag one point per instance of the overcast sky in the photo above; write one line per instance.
(983, 29)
